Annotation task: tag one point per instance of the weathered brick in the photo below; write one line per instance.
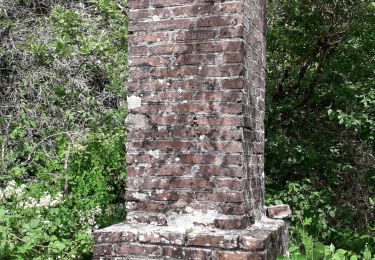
(172, 196)
(214, 21)
(137, 249)
(251, 243)
(212, 240)
(102, 250)
(221, 196)
(233, 209)
(279, 212)
(194, 10)
(233, 223)
(138, 4)
(158, 237)
(232, 7)
(229, 255)
(195, 59)
(209, 171)
(196, 253)
(191, 183)
(166, 3)
(172, 252)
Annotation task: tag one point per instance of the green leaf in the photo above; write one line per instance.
(341, 252)
(367, 254)
(319, 250)
(34, 223)
(332, 248)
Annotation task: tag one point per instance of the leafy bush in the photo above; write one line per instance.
(63, 65)
(320, 120)
(314, 212)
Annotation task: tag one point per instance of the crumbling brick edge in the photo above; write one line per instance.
(266, 239)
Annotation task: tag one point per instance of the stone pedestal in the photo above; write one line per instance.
(263, 240)
(195, 149)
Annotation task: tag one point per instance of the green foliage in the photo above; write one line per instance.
(63, 65)
(320, 122)
(313, 214)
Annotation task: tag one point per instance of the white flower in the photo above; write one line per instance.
(46, 222)
(8, 192)
(12, 183)
(91, 220)
(19, 192)
(98, 210)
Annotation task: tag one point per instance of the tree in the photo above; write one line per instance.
(321, 111)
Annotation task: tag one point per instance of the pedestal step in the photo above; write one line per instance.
(265, 239)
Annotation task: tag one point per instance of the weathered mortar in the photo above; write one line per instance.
(195, 148)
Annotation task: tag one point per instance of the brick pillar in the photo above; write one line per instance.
(195, 149)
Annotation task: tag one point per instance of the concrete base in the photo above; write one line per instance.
(265, 239)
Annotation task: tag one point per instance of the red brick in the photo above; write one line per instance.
(147, 183)
(233, 209)
(196, 35)
(209, 171)
(191, 183)
(196, 253)
(221, 196)
(222, 46)
(149, 61)
(237, 83)
(195, 59)
(172, 252)
(231, 32)
(150, 206)
(136, 249)
(161, 237)
(172, 196)
(100, 250)
(231, 184)
(232, 7)
(137, 4)
(233, 57)
(212, 240)
(231, 255)
(251, 243)
(195, 10)
(215, 21)
(166, 3)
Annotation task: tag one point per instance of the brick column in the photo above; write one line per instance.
(195, 149)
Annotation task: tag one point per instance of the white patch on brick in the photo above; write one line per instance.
(188, 221)
(194, 169)
(136, 121)
(202, 137)
(140, 196)
(154, 153)
(156, 18)
(134, 102)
